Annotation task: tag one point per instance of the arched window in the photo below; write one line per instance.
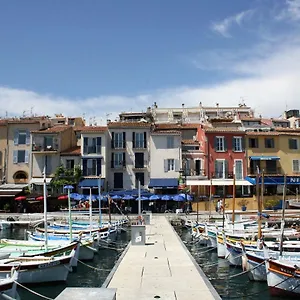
(20, 176)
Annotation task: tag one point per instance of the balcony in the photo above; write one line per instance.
(195, 174)
(118, 164)
(92, 150)
(267, 171)
(222, 175)
(140, 165)
(44, 148)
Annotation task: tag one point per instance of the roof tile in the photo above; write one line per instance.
(72, 151)
(129, 124)
(54, 129)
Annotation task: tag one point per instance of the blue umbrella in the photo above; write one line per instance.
(186, 196)
(128, 197)
(76, 196)
(142, 198)
(166, 197)
(154, 197)
(103, 198)
(178, 198)
(116, 197)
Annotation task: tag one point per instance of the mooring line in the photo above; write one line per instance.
(33, 292)
(91, 267)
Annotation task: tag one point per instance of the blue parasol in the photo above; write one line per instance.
(166, 198)
(186, 196)
(116, 197)
(142, 198)
(154, 197)
(178, 198)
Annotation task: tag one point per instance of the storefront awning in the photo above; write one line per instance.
(40, 181)
(264, 157)
(10, 190)
(90, 183)
(163, 183)
(218, 182)
(275, 180)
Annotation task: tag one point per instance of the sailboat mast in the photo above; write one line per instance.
(90, 210)
(99, 191)
(259, 206)
(233, 199)
(282, 216)
(45, 209)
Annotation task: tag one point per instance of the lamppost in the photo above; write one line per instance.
(69, 188)
(183, 172)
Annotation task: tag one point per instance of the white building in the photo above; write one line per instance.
(165, 164)
(129, 155)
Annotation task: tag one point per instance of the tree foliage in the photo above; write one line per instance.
(64, 176)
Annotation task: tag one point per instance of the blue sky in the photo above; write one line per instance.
(101, 57)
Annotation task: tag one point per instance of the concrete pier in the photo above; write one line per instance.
(161, 269)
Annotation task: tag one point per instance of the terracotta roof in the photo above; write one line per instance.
(189, 142)
(165, 132)
(250, 119)
(177, 126)
(279, 129)
(72, 151)
(93, 129)
(128, 124)
(262, 133)
(224, 129)
(54, 129)
(282, 131)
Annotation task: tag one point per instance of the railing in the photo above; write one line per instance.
(92, 149)
(193, 172)
(118, 144)
(42, 147)
(267, 171)
(140, 165)
(139, 144)
(116, 164)
(222, 175)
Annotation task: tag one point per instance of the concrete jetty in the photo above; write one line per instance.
(161, 269)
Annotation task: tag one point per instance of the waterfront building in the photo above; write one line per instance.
(128, 150)
(166, 160)
(47, 145)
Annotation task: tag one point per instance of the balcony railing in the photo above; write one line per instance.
(43, 147)
(118, 164)
(267, 171)
(193, 172)
(222, 175)
(92, 149)
(140, 165)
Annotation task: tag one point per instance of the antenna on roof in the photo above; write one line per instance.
(31, 111)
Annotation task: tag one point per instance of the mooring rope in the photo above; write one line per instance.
(91, 267)
(213, 248)
(244, 272)
(33, 292)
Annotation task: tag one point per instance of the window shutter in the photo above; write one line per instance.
(215, 143)
(233, 144)
(290, 143)
(84, 167)
(124, 159)
(124, 139)
(98, 146)
(112, 164)
(15, 156)
(27, 137)
(98, 167)
(226, 169)
(243, 144)
(165, 165)
(133, 139)
(85, 145)
(16, 137)
(177, 165)
(145, 139)
(216, 169)
(26, 156)
(49, 165)
(112, 140)
(225, 143)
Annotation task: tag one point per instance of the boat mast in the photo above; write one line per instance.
(90, 210)
(99, 191)
(210, 198)
(45, 208)
(224, 207)
(282, 216)
(259, 206)
(233, 198)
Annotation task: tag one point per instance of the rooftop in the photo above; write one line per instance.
(87, 129)
(224, 129)
(128, 124)
(54, 129)
(164, 126)
(165, 132)
(72, 151)
(189, 142)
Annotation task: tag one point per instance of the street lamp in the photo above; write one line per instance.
(183, 172)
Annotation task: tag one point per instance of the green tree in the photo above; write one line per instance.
(63, 176)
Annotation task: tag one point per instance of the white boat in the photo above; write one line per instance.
(39, 268)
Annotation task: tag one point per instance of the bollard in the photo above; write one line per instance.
(138, 234)
(146, 219)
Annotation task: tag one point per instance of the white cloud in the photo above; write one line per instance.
(291, 11)
(224, 26)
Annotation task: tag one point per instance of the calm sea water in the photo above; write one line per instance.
(218, 271)
(83, 277)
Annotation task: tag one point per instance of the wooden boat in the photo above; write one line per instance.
(38, 269)
(8, 286)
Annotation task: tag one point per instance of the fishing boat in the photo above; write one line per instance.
(38, 269)
(8, 286)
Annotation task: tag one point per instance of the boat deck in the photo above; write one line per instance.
(161, 269)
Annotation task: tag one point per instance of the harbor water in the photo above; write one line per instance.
(218, 271)
(84, 276)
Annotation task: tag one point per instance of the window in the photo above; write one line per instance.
(70, 163)
(118, 140)
(220, 143)
(296, 165)
(139, 160)
(269, 143)
(171, 164)
(91, 167)
(48, 164)
(118, 180)
(20, 156)
(238, 169)
(221, 168)
(170, 142)
(139, 177)
(253, 143)
(293, 144)
(118, 160)
(139, 139)
(22, 137)
(237, 144)
(92, 145)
